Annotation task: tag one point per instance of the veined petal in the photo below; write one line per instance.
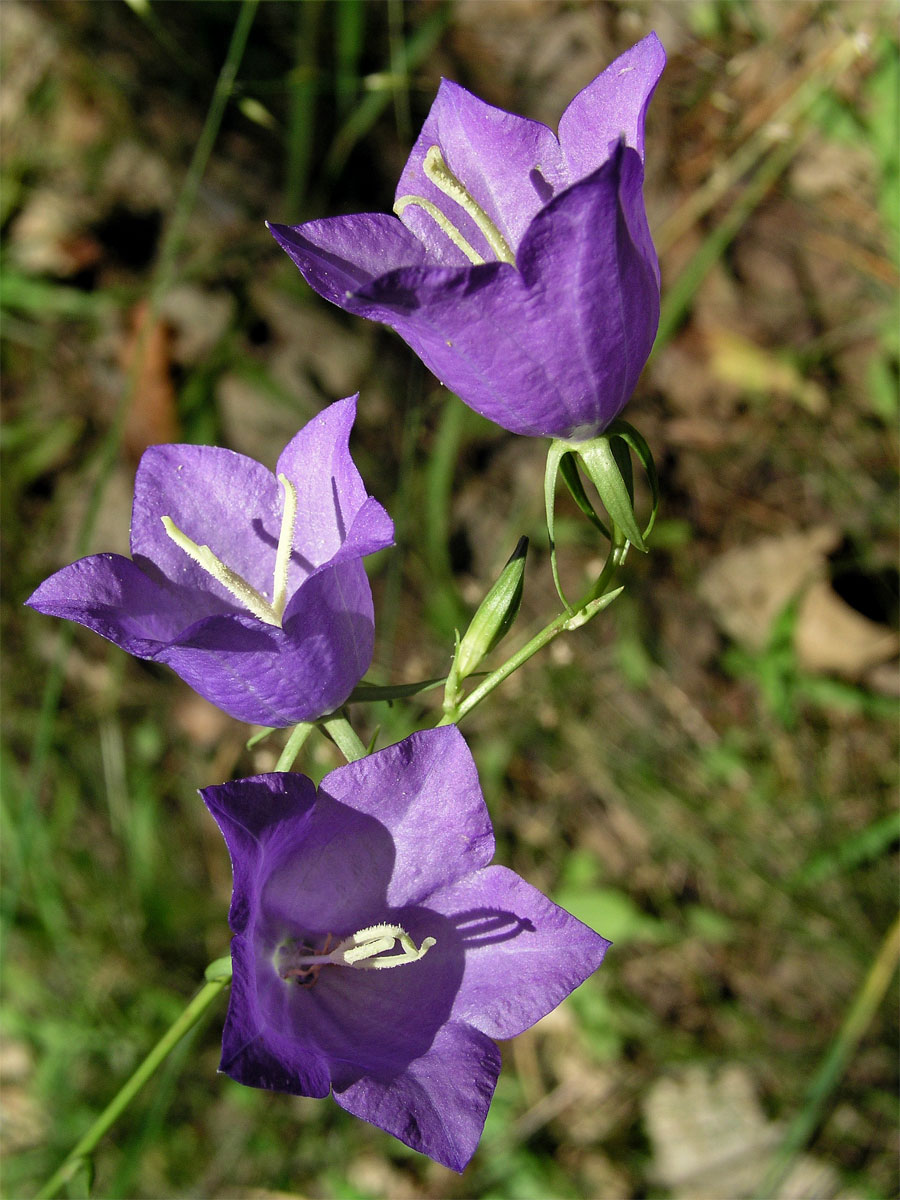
(278, 676)
(340, 255)
(592, 272)
(108, 594)
(372, 529)
(523, 953)
(254, 814)
(255, 1054)
(217, 498)
(424, 783)
(509, 164)
(555, 348)
(330, 491)
(438, 1105)
(613, 106)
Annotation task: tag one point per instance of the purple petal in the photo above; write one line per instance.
(425, 790)
(330, 492)
(439, 1104)
(612, 107)
(509, 164)
(218, 498)
(555, 350)
(274, 809)
(523, 953)
(339, 255)
(110, 595)
(255, 1054)
(270, 676)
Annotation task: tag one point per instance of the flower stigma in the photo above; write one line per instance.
(437, 171)
(367, 950)
(236, 584)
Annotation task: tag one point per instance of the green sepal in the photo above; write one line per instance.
(368, 693)
(219, 969)
(555, 455)
(609, 470)
(259, 736)
(494, 616)
(638, 443)
(568, 468)
(592, 608)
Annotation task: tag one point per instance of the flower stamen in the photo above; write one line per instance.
(443, 178)
(285, 546)
(366, 950)
(243, 591)
(441, 221)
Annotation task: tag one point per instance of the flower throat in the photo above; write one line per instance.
(445, 181)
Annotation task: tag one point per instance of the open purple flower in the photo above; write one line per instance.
(386, 866)
(521, 270)
(250, 587)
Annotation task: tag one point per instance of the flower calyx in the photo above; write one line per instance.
(606, 462)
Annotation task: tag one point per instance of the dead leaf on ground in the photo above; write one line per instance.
(711, 1139)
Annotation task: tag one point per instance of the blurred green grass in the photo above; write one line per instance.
(726, 815)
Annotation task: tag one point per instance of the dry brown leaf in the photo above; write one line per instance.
(152, 417)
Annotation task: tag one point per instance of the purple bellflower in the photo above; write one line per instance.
(250, 586)
(376, 953)
(521, 270)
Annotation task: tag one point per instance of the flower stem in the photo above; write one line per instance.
(590, 605)
(294, 745)
(170, 1039)
(344, 737)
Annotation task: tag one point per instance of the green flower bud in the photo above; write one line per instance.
(495, 614)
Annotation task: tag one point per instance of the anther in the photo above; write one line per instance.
(235, 583)
(285, 546)
(367, 950)
(443, 178)
(444, 225)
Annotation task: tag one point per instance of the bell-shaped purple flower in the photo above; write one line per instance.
(521, 270)
(376, 953)
(249, 585)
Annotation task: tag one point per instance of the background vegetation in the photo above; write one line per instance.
(707, 774)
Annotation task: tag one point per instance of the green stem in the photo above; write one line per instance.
(188, 1019)
(826, 1079)
(344, 737)
(590, 605)
(294, 745)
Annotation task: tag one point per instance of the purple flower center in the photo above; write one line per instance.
(270, 612)
(437, 171)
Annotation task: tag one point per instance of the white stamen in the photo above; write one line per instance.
(367, 950)
(285, 546)
(236, 584)
(445, 226)
(443, 178)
